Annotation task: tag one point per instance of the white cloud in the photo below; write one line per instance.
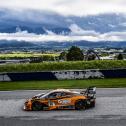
(76, 30)
(68, 7)
(77, 34)
(49, 32)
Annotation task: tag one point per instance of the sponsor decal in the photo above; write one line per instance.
(64, 101)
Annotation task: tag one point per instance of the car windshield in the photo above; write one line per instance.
(45, 95)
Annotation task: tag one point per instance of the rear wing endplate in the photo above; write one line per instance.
(90, 92)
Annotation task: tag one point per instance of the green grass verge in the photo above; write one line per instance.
(76, 65)
(38, 85)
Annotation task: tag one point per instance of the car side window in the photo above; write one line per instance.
(66, 94)
(54, 95)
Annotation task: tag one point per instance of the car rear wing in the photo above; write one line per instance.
(90, 92)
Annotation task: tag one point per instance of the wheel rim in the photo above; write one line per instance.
(80, 105)
(36, 106)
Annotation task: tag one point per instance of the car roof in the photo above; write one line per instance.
(63, 90)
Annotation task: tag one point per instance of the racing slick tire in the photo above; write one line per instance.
(80, 105)
(92, 104)
(37, 106)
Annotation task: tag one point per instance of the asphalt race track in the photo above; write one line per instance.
(110, 110)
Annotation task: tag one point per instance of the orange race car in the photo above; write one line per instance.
(62, 99)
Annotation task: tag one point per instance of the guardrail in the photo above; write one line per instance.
(63, 75)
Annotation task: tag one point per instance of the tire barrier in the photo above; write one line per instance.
(63, 75)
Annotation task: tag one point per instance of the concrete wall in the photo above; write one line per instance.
(85, 74)
(63, 75)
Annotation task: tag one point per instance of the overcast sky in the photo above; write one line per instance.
(68, 7)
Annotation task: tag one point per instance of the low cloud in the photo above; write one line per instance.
(76, 34)
(76, 30)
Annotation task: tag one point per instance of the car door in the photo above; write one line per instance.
(60, 100)
(65, 102)
(53, 99)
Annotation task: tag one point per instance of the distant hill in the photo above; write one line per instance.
(17, 44)
(58, 45)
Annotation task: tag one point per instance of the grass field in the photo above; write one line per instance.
(38, 85)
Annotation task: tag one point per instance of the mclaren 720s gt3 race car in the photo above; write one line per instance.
(62, 99)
